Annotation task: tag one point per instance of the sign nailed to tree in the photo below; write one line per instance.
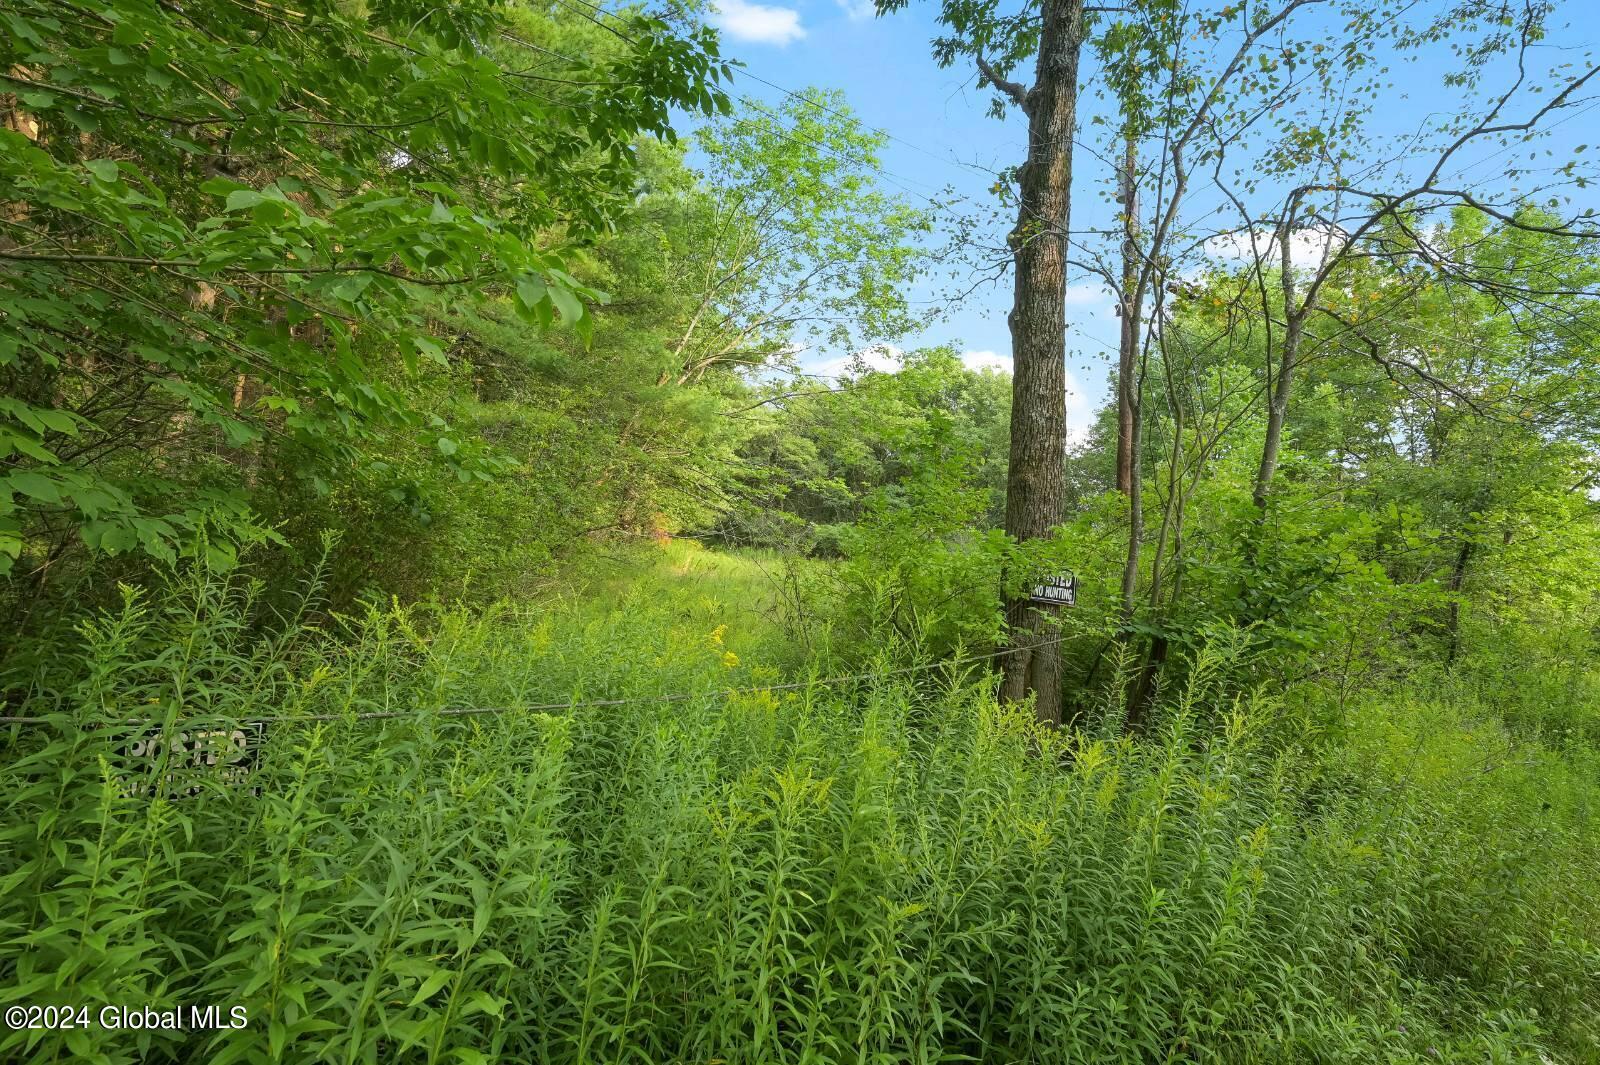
(1060, 590)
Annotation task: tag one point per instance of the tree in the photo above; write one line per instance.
(997, 43)
(1468, 413)
(1347, 216)
(219, 218)
(816, 454)
(786, 242)
(1165, 94)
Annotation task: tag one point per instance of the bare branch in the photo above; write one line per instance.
(1016, 90)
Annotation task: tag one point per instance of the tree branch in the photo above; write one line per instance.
(1016, 90)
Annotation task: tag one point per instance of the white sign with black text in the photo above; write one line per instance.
(1060, 590)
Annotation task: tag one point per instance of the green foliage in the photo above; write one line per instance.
(826, 454)
(1326, 790)
(220, 218)
(801, 246)
(329, 304)
(1433, 494)
(647, 425)
(898, 474)
(889, 870)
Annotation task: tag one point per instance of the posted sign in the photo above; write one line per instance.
(225, 754)
(1060, 590)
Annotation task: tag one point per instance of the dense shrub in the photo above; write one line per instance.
(881, 870)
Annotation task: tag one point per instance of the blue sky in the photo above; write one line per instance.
(946, 140)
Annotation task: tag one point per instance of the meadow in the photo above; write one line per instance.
(667, 840)
(529, 534)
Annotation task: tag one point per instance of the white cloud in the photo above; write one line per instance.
(1307, 247)
(1091, 294)
(758, 23)
(1080, 413)
(882, 357)
(986, 360)
(858, 10)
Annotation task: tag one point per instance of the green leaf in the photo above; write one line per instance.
(242, 199)
(430, 351)
(13, 441)
(431, 985)
(531, 290)
(567, 303)
(112, 537)
(36, 486)
(219, 186)
(480, 1001)
(60, 421)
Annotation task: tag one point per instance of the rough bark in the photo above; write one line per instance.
(1035, 485)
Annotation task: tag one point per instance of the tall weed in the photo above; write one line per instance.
(886, 870)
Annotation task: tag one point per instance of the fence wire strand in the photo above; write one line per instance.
(580, 704)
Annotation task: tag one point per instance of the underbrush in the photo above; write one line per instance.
(652, 845)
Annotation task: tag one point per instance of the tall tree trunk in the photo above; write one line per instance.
(1277, 413)
(1172, 510)
(1036, 481)
(1288, 359)
(1130, 385)
(1128, 345)
(1143, 691)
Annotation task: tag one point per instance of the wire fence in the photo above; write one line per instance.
(578, 704)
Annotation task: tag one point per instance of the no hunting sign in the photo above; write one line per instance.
(1059, 590)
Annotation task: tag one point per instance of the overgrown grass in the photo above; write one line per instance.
(886, 871)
